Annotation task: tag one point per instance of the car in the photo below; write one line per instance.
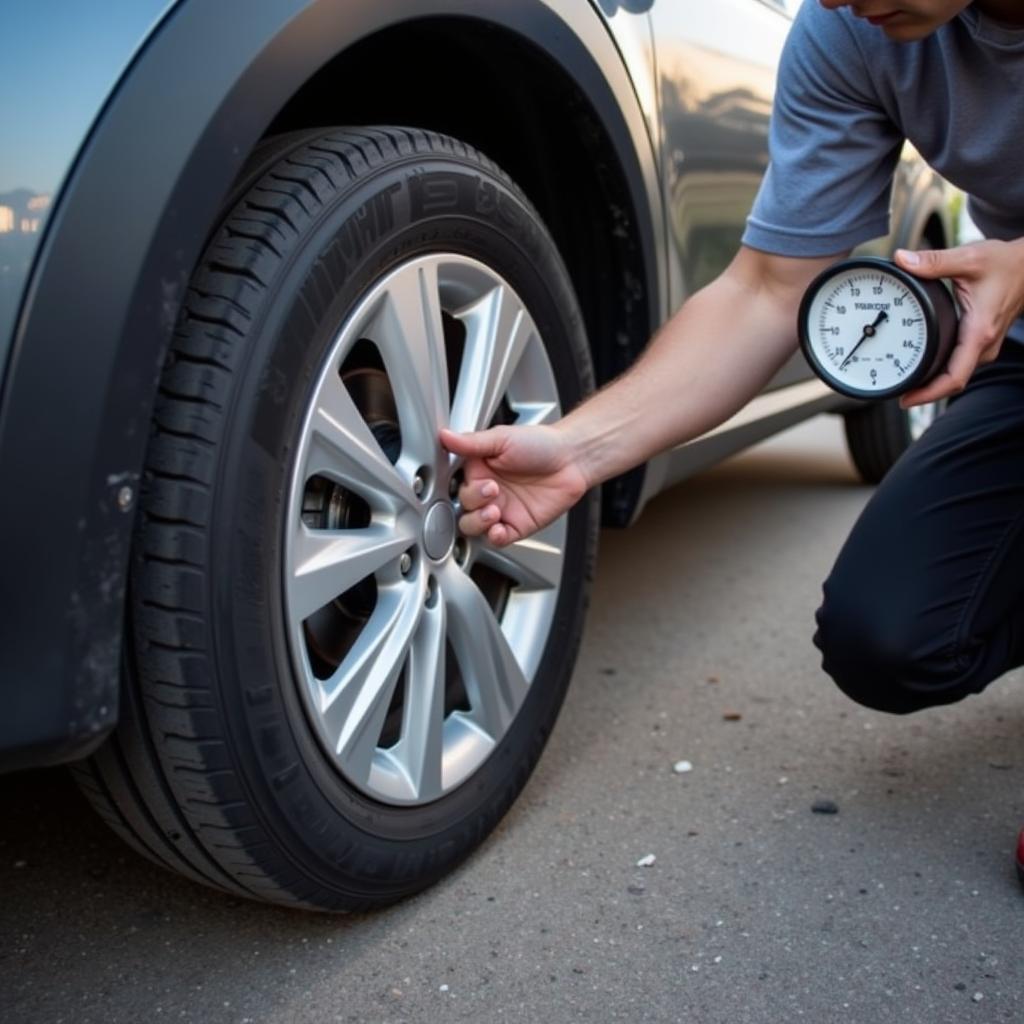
(253, 255)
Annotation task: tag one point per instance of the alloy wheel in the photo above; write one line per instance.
(414, 647)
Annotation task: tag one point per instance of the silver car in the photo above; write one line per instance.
(253, 255)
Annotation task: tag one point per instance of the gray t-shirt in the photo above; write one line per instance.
(847, 98)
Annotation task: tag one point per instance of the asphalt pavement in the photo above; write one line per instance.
(900, 906)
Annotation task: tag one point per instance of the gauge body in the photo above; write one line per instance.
(871, 330)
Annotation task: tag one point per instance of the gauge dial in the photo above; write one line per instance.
(871, 330)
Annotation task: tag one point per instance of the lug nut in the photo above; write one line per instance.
(460, 551)
(418, 484)
(453, 487)
(405, 563)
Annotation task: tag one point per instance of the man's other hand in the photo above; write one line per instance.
(988, 281)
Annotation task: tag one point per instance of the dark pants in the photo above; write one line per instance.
(925, 603)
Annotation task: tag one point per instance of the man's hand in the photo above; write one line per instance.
(516, 480)
(988, 280)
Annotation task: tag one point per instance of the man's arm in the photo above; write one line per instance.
(715, 354)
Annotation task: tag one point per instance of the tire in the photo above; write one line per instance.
(329, 699)
(879, 433)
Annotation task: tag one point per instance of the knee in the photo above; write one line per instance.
(869, 650)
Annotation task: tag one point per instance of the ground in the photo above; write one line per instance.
(902, 906)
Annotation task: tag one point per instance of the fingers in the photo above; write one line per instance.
(485, 444)
(967, 354)
(943, 386)
(478, 521)
(487, 521)
(475, 494)
(481, 510)
(960, 261)
(501, 535)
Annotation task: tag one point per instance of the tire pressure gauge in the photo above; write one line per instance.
(871, 330)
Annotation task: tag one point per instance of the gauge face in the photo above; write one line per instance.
(866, 330)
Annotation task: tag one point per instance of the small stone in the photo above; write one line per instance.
(825, 807)
(1000, 766)
(636, 890)
(977, 997)
(731, 716)
(646, 862)
(960, 987)
(444, 988)
(712, 679)
(682, 767)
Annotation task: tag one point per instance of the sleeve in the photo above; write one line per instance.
(832, 147)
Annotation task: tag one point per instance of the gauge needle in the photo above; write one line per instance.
(869, 332)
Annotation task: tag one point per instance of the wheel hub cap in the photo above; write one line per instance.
(439, 531)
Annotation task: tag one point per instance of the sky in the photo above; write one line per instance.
(61, 58)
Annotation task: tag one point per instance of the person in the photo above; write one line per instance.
(925, 603)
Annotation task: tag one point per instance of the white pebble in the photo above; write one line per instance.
(646, 862)
(682, 767)
(444, 988)
(977, 997)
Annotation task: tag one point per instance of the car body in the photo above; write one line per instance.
(637, 129)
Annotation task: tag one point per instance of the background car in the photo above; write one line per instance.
(252, 256)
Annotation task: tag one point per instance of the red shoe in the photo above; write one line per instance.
(1020, 856)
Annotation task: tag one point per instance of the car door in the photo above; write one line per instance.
(716, 68)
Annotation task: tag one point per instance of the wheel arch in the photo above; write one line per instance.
(528, 115)
(925, 215)
(107, 286)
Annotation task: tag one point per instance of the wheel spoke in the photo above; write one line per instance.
(344, 450)
(534, 413)
(533, 564)
(358, 695)
(409, 332)
(498, 329)
(421, 747)
(494, 681)
(327, 563)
